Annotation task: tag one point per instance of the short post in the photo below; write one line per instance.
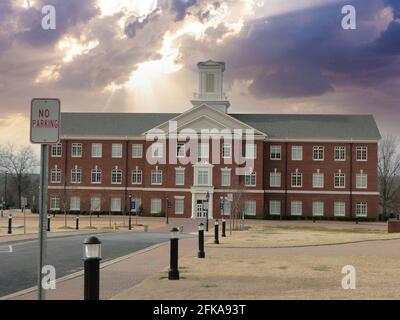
(91, 258)
(223, 228)
(173, 273)
(216, 241)
(9, 224)
(201, 253)
(48, 223)
(77, 223)
(313, 219)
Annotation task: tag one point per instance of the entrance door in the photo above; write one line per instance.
(201, 212)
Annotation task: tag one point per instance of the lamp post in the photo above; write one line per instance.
(208, 208)
(91, 258)
(201, 253)
(166, 209)
(130, 211)
(173, 273)
(5, 187)
(216, 241)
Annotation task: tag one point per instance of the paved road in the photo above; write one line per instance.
(18, 270)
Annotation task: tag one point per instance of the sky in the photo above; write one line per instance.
(282, 56)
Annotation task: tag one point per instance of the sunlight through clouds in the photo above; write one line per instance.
(73, 47)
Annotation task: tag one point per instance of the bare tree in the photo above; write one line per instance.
(238, 205)
(19, 162)
(389, 171)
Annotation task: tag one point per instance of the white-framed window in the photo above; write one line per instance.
(275, 179)
(250, 208)
(115, 204)
(97, 150)
(340, 180)
(318, 153)
(76, 175)
(202, 177)
(203, 150)
(297, 179)
(340, 153)
(297, 153)
(251, 151)
(318, 180)
(274, 207)
(76, 150)
(318, 208)
(225, 177)
(96, 175)
(226, 211)
(179, 176)
(210, 82)
(157, 150)
(362, 153)
(155, 206)
(156, 176)
(137, 176)
(296, 208)
(56, 150)
(275, 152)
(361, 180)
(55, 176)
(339, 209)
(95, 204)
(179, 205)
(137, 150)
(180, 150)
(116, 176)
(226, 150)
(116, 150)
(75, 203)
(361, 209)
(55, 203)
(250, 179)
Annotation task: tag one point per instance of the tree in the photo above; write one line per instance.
(389, 170)
(19, 163)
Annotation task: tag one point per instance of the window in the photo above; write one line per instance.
(296, 208)
(76, 150)
(226, 210)
(318, 208)
(75, 203)
(55, 175)
(116, 150)
(225, 177)
(339, 180)
(55, 203)
(250, 208)
(155, 206)
(275, 179)
(297, 153)
(95, 204)
(179, 176)
(226, 150)
(318, 153)
(361, 209)
(116, 176)
(275, 152)
(340, 153)
(96, 150)
(274, 207)
(361, 153)
(179, 205)
(76, 175)
(251, 151)
(137, 151)
(250, 179)
(318, 180)
(210, 80)
(361, 180)
(157, 150)
(297, 179)
(96, 175)
(136, 176)
(180, 150)
(56, 150)
(203, 150)
(202, 177)
(156, 176)
(115, 204)
(339, 208)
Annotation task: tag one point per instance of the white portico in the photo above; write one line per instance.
(202, 185)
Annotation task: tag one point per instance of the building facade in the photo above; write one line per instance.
(209, 161)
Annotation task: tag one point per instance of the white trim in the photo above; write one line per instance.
(322, 140)
(367, 193)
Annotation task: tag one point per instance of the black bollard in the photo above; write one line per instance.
(201, 253)
(173, 273)
(91, 258)
(77, 223)
(48, 223)
(216, 225)
(223, 228)
(9, 224)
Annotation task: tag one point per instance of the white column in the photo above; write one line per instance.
(210, 206)
(193, 205)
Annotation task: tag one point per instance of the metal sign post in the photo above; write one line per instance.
(45, 129)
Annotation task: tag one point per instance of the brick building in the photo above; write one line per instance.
(263, 165)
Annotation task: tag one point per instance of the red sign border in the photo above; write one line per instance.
(59, 120)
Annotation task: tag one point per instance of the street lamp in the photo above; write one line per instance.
(91, 258)
(173, 273)
(208, 208)
(130, 211)
(166, 209)
(5, 188)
